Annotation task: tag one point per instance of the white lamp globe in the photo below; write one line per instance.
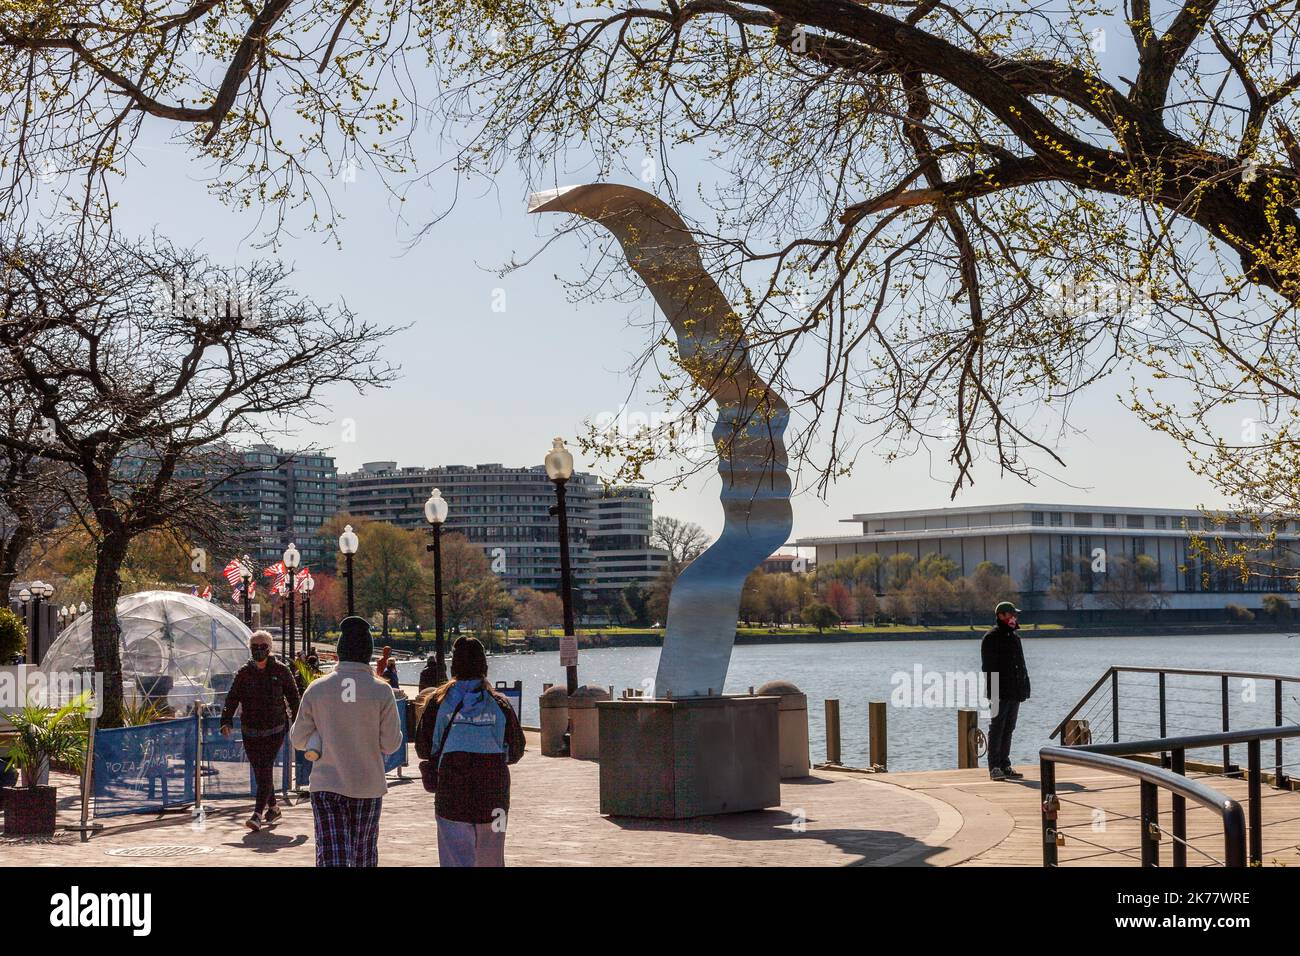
(348, 540)
(559, 462)
(292, 557)
(435, 509)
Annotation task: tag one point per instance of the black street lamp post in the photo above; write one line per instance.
(348, 545)
(435, 512)
(559, 468)
(292, 558)
(246, 575)
(308, 585)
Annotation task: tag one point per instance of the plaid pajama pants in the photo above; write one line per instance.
(347, 829)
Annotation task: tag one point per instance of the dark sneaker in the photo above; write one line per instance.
(997, 773)
(1012, 774)
(254, 822)
(272, 814)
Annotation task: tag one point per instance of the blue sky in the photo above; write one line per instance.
(480, 385)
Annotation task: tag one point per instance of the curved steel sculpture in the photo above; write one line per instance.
(749, 433)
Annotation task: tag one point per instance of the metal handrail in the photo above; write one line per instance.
(1112, 757)
(1115, 669)
(1150, 777)
(1190, 742)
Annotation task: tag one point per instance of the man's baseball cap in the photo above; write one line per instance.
(1006, 607)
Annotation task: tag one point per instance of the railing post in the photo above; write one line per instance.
(1150, 821)
(1279, 779)
(1234, 835)
(1254, 808)
(1164, 757)
(1179, 810)
(878, 730)
(1047, 790)
(1114, 706)
(1227, 751)
(833, 730)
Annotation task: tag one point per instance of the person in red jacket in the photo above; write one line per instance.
(265, 694)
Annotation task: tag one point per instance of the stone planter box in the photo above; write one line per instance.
(29, 810)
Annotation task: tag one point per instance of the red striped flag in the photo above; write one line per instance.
(300, 578)
(233, 572)
(277, 573)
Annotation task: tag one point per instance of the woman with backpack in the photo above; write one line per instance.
(467, 737)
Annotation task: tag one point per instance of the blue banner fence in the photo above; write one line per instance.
(152, 768)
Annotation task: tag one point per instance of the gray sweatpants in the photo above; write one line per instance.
(471, 844)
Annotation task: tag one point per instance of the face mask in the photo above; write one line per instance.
(260, 653)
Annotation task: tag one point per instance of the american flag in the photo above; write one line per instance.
(276, 572)
(207, 592)
(300, 578)
(233, 572)
(238, 594)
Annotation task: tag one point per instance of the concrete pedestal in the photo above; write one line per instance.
(584, 741)
(553, 709)
(793, 723)
(691, 757)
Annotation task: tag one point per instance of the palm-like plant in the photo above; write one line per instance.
(42, 734)
(305, 672)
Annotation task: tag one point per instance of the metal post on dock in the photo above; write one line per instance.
(1227, 751)
(1179, 812)
(967, 751)
(878, 735)
(1254, 810)
(833, 730)
(1050, 808)
(1279, 779)
(1149, 801)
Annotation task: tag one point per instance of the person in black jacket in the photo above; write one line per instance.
(1003, 661)
(266, 696)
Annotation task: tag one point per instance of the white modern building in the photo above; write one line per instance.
(1034, 542)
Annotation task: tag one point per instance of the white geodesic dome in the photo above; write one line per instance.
(191, 644)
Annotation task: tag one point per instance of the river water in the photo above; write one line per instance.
(922, 725)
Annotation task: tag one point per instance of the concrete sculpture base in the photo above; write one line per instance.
(690, 757)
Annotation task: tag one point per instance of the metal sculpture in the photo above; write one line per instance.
(748, 434)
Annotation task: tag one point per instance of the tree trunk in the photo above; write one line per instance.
(105, 630)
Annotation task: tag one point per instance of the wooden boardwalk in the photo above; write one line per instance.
(1002, 819)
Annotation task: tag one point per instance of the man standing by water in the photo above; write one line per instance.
(1008, 684)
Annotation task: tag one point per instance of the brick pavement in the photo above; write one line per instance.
(825, 820)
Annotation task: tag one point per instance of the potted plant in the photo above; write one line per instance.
(42, 736)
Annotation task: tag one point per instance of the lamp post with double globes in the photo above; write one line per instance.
(308, 585)
(246, 575)
(348, 546)
(435, 512)
(38, 590)
(559, 468)
(292, 558)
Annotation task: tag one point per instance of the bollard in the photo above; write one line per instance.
(878, 739)
(967, 752)
(792, 727)
(833, 730)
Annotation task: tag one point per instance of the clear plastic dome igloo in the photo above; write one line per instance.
(174, 646)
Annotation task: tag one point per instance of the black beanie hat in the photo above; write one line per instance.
(468, 660)
(354, 640)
